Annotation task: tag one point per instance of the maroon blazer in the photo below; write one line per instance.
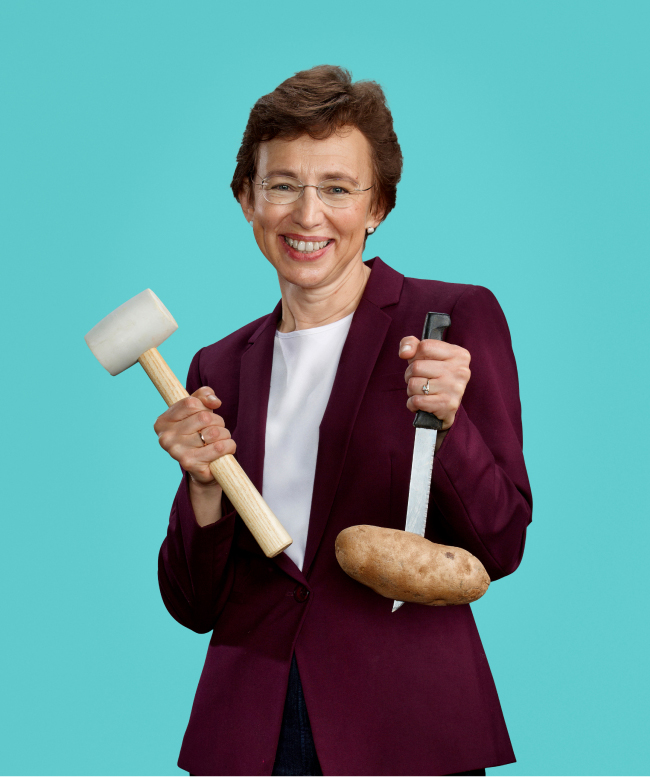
(405, 693)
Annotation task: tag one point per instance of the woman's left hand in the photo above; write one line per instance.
(445, 366)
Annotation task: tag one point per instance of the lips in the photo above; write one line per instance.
(305, 247)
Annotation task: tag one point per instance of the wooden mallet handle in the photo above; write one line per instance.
(271, 536)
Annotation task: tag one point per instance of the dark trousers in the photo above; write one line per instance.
(296, 754)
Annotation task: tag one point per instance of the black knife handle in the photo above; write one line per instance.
(434, 327)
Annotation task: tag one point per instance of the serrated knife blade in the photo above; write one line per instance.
(424, 447)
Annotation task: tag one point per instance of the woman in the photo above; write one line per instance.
(308, 670)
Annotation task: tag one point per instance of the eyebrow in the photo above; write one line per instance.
(328, 176)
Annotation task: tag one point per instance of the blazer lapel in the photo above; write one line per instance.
(254, 388)
(250, 432)
(360, 352)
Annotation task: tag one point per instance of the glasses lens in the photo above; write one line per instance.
(337, 193)
(281, 189)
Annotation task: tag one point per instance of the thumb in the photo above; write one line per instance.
(407, 347)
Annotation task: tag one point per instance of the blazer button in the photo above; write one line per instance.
(300, 593)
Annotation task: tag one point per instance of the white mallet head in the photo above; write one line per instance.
(120, 339)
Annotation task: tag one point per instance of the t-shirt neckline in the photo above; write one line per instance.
(314, 330)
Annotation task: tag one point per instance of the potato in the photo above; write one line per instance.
(404, 566)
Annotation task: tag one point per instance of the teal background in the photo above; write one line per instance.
(525, 129)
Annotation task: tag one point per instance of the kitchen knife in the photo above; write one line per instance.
(426, 430)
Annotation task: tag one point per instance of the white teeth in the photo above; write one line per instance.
(306, 247)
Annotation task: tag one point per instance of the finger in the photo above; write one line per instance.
(214, 434)
(198, 422)
(415, 387)
(425, 368)
(408, 347)
(182, 409)
(214, 451)
(195, 459)
(438, 350)
(208, 397)
(437, 404)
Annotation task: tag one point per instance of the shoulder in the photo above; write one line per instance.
(217, 365)
(473, 309)
(230, 347)
(448, 295)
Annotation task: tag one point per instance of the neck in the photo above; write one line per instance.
(308, 308)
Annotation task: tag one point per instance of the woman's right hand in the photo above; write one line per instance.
(179, 431)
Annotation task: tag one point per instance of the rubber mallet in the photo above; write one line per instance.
(130, 334)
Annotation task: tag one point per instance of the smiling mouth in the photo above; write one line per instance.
(306, 246)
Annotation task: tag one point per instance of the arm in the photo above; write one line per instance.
(194, 573)
(479, 482)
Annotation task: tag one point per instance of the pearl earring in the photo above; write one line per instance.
(371, 230)
(251, 222)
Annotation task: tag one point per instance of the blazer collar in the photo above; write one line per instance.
(384, 286)
(360, 352)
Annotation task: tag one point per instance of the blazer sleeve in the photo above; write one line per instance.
(479, 479)
(194, 569)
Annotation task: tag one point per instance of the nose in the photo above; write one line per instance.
(308, 209)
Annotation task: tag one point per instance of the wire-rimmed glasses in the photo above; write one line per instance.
(283, 190)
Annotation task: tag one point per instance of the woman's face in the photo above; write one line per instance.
(345, 154)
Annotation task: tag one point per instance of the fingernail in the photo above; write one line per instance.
(212, 397)
(404, 347)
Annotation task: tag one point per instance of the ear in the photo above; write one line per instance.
(246, 202)
(374, 219)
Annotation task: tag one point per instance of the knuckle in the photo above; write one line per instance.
(175, 450)
(204, 417)
(432, 346)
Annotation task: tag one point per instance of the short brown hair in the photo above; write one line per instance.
(317, 102)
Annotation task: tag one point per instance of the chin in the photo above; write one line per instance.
(305, 277)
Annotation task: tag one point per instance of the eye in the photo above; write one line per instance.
(337, 189)
(282, 185)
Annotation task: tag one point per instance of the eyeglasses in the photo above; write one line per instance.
(283, 190)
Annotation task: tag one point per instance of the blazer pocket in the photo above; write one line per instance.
(393, 381)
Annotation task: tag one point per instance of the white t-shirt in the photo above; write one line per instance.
(304, 367)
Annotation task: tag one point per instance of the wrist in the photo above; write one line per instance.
(198, 484)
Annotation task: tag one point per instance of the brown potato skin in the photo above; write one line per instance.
(404, 566)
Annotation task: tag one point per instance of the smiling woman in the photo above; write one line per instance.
(308, 671)
(288, 233)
